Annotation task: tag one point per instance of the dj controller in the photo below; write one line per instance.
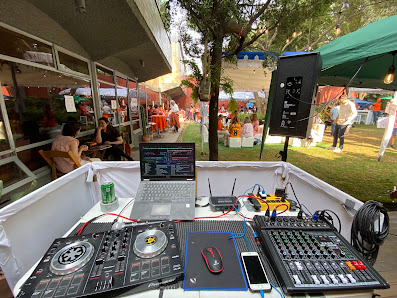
(131, 260)
(310, 256)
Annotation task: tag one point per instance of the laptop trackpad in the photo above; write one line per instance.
(161, 210)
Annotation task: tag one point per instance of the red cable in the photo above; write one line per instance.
(122, 217)
(283, 210)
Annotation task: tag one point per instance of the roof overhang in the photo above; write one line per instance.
(119, 34)
(175, 92)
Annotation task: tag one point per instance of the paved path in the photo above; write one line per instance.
(167, 137)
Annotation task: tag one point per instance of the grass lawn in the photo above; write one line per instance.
(355, 170)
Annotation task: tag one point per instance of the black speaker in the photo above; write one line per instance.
(294, 95)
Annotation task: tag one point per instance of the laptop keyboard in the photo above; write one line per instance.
(175, 191)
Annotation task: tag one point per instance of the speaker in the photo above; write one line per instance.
(294, 95)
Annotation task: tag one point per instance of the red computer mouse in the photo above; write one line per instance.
(213, 259)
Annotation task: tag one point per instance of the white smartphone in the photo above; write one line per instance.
(255, 272)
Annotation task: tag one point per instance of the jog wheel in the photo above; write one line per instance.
(150, 243)
(71, 258)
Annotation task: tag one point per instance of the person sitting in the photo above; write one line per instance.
(157, 111)
(221, 131)
(106, 134)
(67, 142)
(255, 123)
(234, 128)
(248, 130)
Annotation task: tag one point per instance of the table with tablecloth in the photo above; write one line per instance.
(160, 122)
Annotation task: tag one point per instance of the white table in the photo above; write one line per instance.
(96, 210)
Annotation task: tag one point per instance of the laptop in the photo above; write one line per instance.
(168, 182)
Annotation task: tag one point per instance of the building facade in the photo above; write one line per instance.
(83, 59)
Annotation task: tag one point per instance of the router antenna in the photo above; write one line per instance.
(234, 185)
(209, 186)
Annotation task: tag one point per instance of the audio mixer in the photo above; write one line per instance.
(130, 260)
(310, 256)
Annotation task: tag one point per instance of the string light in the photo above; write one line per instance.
(389, 78)
(287, 41)
(266, 31)
(44, 75)
(310, 48)
(337, 29)
(294, 33)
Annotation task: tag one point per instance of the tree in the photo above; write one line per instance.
(226, 27)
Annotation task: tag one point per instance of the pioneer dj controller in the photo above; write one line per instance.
(310, 256)
(131, 259)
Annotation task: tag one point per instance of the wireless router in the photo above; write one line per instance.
(222, 203)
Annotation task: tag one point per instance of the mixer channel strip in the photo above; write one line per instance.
(310, 256)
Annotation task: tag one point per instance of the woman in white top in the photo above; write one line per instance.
(174, 117)
(248, 130)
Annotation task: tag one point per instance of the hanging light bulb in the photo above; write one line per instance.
(266, 31)
(294, 33)
(337, 29)
(389, 78)
(310, 48)
(287, 41)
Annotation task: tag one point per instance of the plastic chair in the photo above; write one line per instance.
(49, 155)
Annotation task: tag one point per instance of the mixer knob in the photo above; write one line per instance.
(99, 262)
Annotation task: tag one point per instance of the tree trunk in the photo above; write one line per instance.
(216, 66)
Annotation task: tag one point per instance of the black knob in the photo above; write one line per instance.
(99, 262)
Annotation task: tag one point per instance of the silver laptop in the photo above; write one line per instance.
(168, 182)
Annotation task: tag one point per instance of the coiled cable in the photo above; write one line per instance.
(368, 232)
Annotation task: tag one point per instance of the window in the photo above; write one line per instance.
(36, 102)
(108, 102)
(19, 46)
(104, 74)
(31, 157)
(4, 144)
(133, 99)
(71, 63)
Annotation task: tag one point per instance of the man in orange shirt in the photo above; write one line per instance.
(377, 107)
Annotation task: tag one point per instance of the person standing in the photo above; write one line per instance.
(347, 113)
(377, 107)
(334, 114)
(174, 117)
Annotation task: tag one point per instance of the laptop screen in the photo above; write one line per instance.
(167, 161)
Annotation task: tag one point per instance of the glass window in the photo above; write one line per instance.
(123, 104)
(133, 100)
(125, 130)
(36, 102)
(19, 46)
(104, 74)
(71, 63)
(108, 102)
(10, 173)
(31, 157)
(121, 82)
(4, 144)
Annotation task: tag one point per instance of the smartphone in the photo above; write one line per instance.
(255, 272)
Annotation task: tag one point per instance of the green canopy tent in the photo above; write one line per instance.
(373, 48)
(344, 56)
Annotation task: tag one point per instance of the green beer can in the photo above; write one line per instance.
(107, 190)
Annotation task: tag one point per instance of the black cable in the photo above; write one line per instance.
(300, 205)
(122, 210)
(367, 233)
(325, 211)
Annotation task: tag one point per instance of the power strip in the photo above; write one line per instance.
(273, 201)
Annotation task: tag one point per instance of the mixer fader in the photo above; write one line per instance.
(310, 256)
